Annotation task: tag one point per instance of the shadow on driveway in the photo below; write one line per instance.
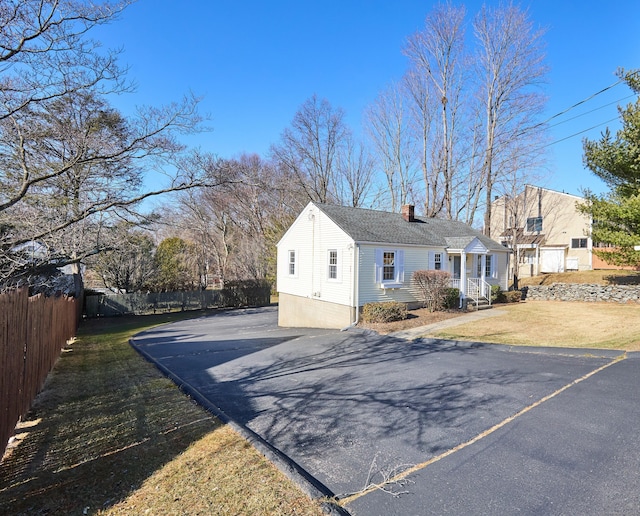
(351, 407)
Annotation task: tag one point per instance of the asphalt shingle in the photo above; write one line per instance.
(382, 227)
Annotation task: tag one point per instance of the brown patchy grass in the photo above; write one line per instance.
(598, 277)
(557, 324)
(110, 435)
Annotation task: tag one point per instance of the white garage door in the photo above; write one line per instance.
(552, 260)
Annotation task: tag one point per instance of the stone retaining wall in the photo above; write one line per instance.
(583, 292)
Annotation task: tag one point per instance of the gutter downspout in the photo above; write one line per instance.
(312, 218)
(356, 286)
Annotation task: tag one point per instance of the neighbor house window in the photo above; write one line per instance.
(292, 263)
(534, 224)
(437, 261)
(333, 264)
(578, 243)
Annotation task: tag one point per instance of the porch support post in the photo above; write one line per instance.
(463, 275)
(483, 265)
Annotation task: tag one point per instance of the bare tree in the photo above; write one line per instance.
(510, 63)
(421, 114)
(74, 167)
(129, 265)
(71, 165)
(355, 180)
(437, 56)
(236, 226)
(387, 126)
(309, 148)
(45, 54)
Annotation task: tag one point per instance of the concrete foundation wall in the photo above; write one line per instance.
(302, 312)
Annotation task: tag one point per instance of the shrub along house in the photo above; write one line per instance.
(334, 259)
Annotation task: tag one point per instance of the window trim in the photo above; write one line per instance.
(489, 266)
(332, 264)
(398, 265)
(337, 267)
(534, 224)
(489, 261)
(389, 267)
(580, 240)
(437, 261)
(292, 262)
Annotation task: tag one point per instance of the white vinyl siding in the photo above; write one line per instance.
(372, 289)
(312, 236)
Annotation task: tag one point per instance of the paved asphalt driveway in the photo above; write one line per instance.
(485, 429)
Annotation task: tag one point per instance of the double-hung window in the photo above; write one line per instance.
(292, 262)
(534, 224)
(389, 268)
(578, 243)
(333, 264)
(437, 261)
(488, 266)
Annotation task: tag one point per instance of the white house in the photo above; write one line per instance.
(334, 259)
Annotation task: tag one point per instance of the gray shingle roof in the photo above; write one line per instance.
(390, 228)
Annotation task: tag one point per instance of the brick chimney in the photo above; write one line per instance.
(408, 212)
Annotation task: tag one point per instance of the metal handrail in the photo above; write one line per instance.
(477, 288)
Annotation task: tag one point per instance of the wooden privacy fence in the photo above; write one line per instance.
(33, 331)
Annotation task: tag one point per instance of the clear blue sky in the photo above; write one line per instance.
(256, 62)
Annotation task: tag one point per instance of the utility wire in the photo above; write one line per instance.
(579, 103)
(592, 110)
(580, 132)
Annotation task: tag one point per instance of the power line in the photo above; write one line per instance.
(579, 103)
(580, 132)
(592, 110)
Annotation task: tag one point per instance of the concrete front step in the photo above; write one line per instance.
(482, 304)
